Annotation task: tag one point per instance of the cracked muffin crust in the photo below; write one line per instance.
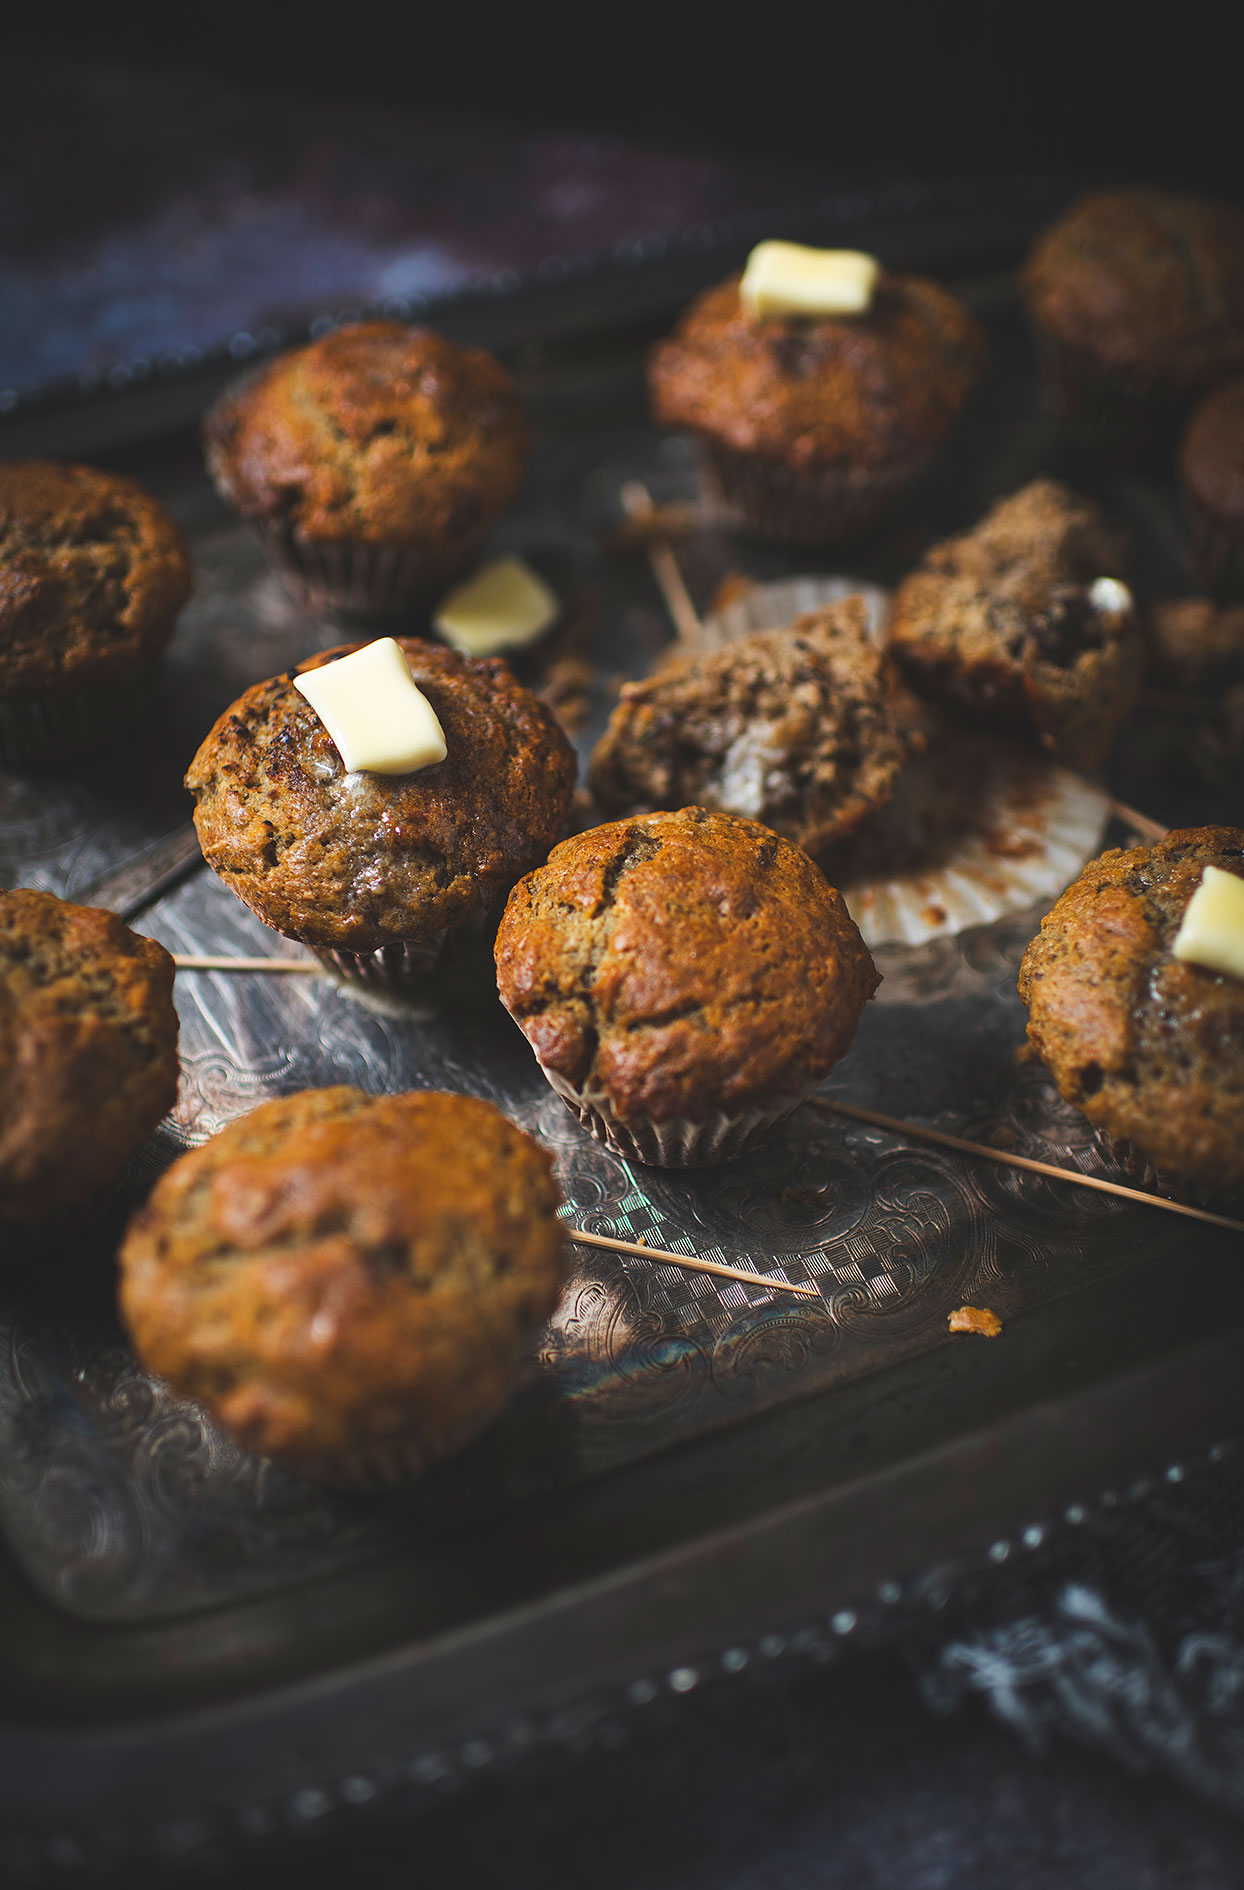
(1136, 298)
(1149, 1047)
(88, 1052)
(682, 968)
(1003, 622)
(802, 729)
(350, 1283)
(93, 572)
(357, 862)
(372, 460)
(815, 425)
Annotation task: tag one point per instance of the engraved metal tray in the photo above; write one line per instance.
(193, 1640)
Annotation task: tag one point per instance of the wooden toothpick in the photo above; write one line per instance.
(188, 962)
(919, 1133)
(691, 1262)
(637, 501)
(1143, 823)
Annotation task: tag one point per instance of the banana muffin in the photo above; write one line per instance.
(815, 425)
(93, 572)
(685, 979)
(1151, 1048)
(1136, 299)
(1195, 644)
(372, 461)
(1023, 623)
(372, 870)
(88, 1053)
(1211, 473)
(351, 1284)
(801, 729)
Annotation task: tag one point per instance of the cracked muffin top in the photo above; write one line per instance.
(861, 390)
(683, 962)
(376, 433)
(88, 1052)
(1148, 1046)
(802, 729)
(1008, 623)
(349, 1282)
(357, 861)
(1144, 282)
(92, 574)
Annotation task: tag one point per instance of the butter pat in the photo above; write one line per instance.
(790, 279)
(378, 717)
(505, 606)
(1212, 933)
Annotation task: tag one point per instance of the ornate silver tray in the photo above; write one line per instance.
(194, 1642)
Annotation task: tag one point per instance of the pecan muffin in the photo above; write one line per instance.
(372, 461)
(815, 425)
(685, 979)
(802, 729)
(1149, 1047)
(372, 870)
(349, 1283)
(1195, 644)
(93, 572)
(1211, 473)
(88, 1052)
(1136, 299)
(1022, 622)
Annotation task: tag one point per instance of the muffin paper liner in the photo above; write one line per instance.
(680, 1142)
(977, 827)
(810, 507)
(45, 729)
(363, 580)
(1141, 1173)
(391, 1463)
(402, 966)
(1110, 413)
(1216, 558)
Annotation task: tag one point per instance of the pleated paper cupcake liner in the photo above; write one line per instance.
(404, 966)
(1140, 1172)
(776, 606)
(42, 730)
(392, 1462)
(377, 582)
(1111, 413)
(809, 507)
(1216, 558)
(680, 1142)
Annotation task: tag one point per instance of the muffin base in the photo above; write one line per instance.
(42, 730)
(402, 966)
(808, 507)
(678, 1143)
(1141, 1173)
(362, 580)
(1216, 558)
(1110, 413)
(388, 1464)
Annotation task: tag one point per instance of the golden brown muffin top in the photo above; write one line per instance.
(683, 962)
(1145, 282)
(335, 1270)
(92, 574)
(800, 728)
(88, 1051)
(861, 392)
(1146, 1045)
(1211, 455)
(1002, 621)
(354, 862)
(376, 433)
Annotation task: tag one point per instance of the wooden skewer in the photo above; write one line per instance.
(689, 1261)
(637, 501)
(920, 1134)
(191, 963)
(1143, 823)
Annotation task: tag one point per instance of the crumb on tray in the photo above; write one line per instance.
(975, 1319)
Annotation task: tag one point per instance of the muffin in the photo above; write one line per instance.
(371, 870)
(1195, 644)
(815, 425)
(349, 1283)
(93, 572)
(1023, 623)
(1149, 1047)
(800, 728)
(1136, 299)
(685, 979)
(88, 1053)
(1211, 473)
(372, 462)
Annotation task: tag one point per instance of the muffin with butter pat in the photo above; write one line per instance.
(819, 384)
(380, 796)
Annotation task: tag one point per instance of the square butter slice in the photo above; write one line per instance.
(1212, 933)
(504, 606)
(376, 713)
(791, 279)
